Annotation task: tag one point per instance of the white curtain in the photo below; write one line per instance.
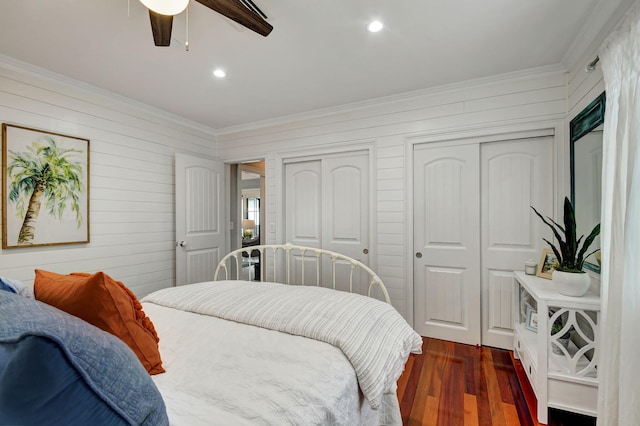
(619, 366)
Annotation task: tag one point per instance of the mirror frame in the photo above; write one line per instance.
(587, 120)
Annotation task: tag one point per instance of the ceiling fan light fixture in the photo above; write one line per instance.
(375, 26)
(166, 7)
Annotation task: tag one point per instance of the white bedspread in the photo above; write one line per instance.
(372, 334)
(220, 373)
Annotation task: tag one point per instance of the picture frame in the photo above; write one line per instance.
(45, 181)
(548, 263)
(531, 320)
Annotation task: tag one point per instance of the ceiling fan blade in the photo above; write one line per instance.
(236, 11)
(161, 26)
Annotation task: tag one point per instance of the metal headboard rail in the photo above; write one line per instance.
(287, 249)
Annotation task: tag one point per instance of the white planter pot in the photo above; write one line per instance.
(571, 283)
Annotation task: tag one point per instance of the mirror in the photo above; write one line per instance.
(586, 172)
(251, 223)
(252, 215)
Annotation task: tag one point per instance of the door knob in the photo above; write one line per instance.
(365, 251)
(182, 243)
(418, 255)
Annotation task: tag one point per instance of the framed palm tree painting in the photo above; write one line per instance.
(45, 186)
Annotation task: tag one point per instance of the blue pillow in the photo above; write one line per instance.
(57, 369)
(5, 287)
(15, 286)
(38, 385)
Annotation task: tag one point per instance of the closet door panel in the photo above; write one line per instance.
(303, 199)
(446, 242)
(346, 204)
(345, 212)
(303, 214)
(515, 176)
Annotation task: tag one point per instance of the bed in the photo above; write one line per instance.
(236, 352)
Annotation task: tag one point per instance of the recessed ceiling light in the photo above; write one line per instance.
(219, 73)
(375, 26)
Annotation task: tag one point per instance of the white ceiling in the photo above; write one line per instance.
(319, 54)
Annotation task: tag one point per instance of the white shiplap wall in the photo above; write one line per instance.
(531, 99)
(582, 88)
(131, 177)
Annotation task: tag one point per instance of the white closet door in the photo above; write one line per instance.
(447, 242)
(345, 213)
(303, 213)
(303, 200)
(327, 206)
(515, 175)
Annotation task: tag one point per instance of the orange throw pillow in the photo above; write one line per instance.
(107, 304)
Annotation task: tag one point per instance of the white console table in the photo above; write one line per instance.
(566, 378)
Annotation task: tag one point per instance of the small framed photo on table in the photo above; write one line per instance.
(548, 263)
(531, 321)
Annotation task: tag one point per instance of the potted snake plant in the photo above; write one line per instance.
(569, 276)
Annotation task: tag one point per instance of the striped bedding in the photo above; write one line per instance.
(372, 334)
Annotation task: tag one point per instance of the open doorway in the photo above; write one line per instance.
(249, 211)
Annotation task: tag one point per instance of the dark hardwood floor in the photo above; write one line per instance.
(456, 384)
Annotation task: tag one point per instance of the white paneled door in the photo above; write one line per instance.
(472, 227)
(327, 206)
(200, 230)
(447, 242)
(516, 175)
(345, 207)
(303, 203)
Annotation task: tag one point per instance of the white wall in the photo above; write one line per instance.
(531, 100)
(132, 152)
(584, 86)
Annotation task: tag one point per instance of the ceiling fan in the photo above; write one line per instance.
(244, 12)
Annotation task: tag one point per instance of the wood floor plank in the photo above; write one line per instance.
(437, 355)
(431, 354)
(404, 379)
(493, 389)
(470, 410)
(431, 413)
(451, 407)
(407, 402)
(484, 411)
(467, 353)
(510, 414)
(503, 368)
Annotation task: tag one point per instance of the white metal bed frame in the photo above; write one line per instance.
(289, 249)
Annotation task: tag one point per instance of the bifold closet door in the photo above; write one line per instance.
(327, 206)
(447, 242)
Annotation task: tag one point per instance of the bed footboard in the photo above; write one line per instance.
(285, 263)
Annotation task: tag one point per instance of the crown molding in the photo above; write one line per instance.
(25, 68)
(606, 14)
(385, 100)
